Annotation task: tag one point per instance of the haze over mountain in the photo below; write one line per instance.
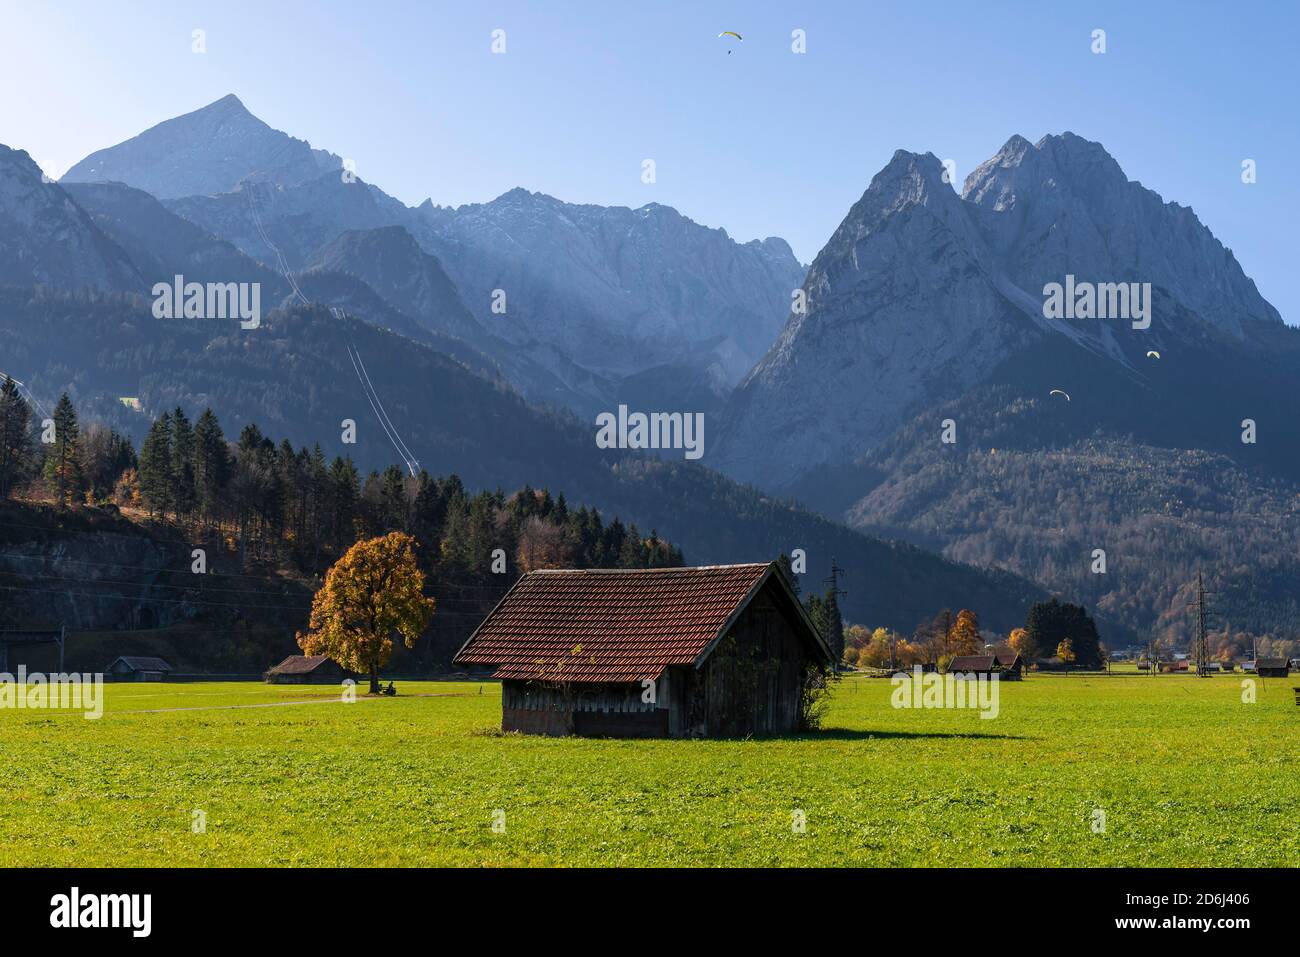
(620, 290)
(294, 378)
(211, 150)
(393, 264)
(161, 244)
(593, 295)
(45, 237)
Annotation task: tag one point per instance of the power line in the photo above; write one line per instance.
(169, 601)
(110, 581)
(376, 406)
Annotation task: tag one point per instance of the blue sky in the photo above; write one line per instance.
(761, 142)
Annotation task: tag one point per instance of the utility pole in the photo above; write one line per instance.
(834, 621)
(1201, 646)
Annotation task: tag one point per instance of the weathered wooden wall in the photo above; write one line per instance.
(751, 682)
(613, 710)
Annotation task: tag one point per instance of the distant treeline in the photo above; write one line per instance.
(294, 508)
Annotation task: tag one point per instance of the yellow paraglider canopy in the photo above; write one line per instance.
(732, 33)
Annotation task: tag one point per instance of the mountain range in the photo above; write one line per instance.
(357, 286)
(931, 392)
(590, 296)
(918, 390)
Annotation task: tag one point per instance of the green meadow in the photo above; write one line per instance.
(1183, 770)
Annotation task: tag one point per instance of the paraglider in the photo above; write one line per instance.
(1059, 392)
(1152, 354)
(731, 33)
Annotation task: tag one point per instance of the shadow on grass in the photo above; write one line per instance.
(847, 734)
(829, 734)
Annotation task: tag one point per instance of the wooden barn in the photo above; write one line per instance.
(973, 665)
(1272, 667)
(304, 670)
(716, 651)
(1012, 666)
(138, 668)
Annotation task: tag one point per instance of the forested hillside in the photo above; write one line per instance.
(295, 379)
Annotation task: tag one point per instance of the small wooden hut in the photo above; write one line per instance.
(973, 665)
(304, 670)
(716, 651)
(1272, 667)
(138, 668)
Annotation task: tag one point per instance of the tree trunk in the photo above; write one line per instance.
(374, 680)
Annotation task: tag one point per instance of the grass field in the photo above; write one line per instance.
(1185, 772)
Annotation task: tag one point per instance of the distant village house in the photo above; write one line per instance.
(138, 668)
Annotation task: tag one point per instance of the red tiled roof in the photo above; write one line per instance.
(628, 625)
(299, 664)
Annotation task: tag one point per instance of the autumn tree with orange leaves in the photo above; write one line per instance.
(964, 636)
(375, 591)
(1021, 643)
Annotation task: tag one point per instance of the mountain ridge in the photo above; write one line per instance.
(236, 146)
(969, 272)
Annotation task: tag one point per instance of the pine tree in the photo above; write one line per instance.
(612, 544)
(156, 466)
(211, 465)
(396, 511)
(429, 509)
(184, 494)
(817, 612)
(1051, 622)
(63, 456)
(16, 450)
(632, 554)
(345, 490)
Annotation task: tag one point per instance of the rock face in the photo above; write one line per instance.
(162, 244)
(392, 263)
(619, 290)
(1065, 206)
(45, 237)
(900, 305)
(87, 580)
(920, 293)
(594, 295)
(209, 151)
(285, 226)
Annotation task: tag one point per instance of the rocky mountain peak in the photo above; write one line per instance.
(921, 291)
(206, 152)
